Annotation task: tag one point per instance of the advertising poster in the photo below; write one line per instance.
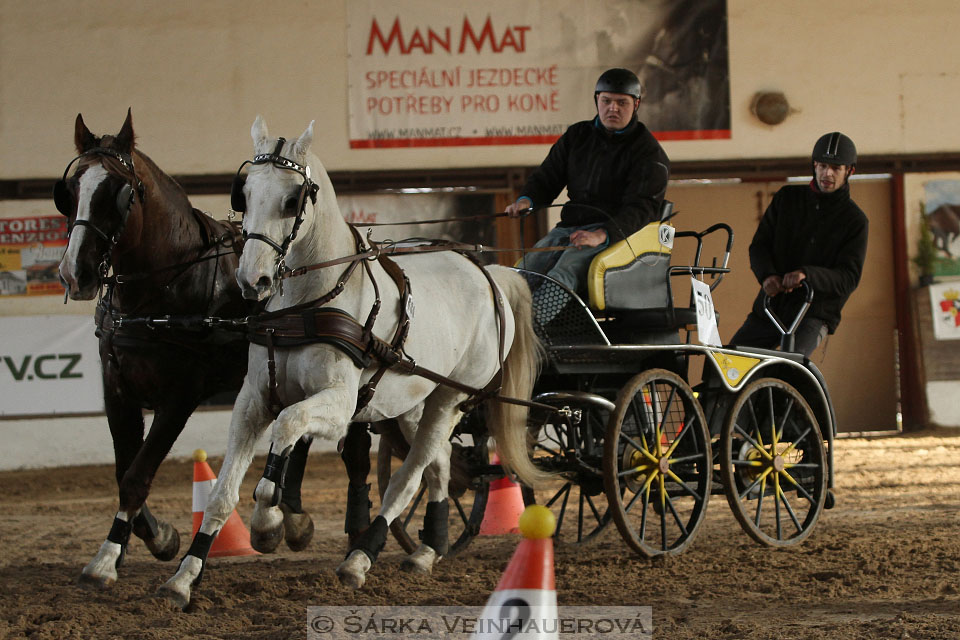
(30, 253)
(942, 213)
(945, 300)
(503, 72)
(49, 365)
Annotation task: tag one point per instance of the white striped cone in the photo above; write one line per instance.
(233, 539)
(524, 604)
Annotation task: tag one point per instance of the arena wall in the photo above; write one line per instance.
(885, 72)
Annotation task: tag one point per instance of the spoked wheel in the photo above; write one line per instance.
(467, 494)
(773, 463)
(570, 443)
(657, 463)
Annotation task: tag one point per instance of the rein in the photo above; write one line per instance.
(226, 240)
(393, 248)
(484, 216)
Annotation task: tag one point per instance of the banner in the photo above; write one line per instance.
(945, 303)
(30, 253)
(49, 365)
(502, 72)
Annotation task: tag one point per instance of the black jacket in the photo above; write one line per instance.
(825, 234)
(624, 174)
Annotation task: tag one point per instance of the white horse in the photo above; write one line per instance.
(292, 215)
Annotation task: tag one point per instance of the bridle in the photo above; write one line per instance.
(124, 201)
(308, 187)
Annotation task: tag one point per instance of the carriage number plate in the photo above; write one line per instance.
(707, 331)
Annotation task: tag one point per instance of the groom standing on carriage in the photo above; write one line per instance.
(615, 173)
(813, 233)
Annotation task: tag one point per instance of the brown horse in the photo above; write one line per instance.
(173, 274)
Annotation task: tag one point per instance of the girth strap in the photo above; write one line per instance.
(496, 383)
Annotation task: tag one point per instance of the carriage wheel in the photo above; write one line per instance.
(773, 463)
(657, 463)
(571, 445)
(467, 495)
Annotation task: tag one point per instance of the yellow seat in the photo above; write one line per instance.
(632, 273)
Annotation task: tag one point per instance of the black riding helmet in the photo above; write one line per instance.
(835, 148)
(618, 81)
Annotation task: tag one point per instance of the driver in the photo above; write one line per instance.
(611, 163)
(814, 233)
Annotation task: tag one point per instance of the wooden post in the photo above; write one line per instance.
(913, 397)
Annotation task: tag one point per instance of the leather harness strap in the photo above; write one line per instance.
(365, 394)
(288, 327)
(311, 322)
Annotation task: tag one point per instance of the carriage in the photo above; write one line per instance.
(618, 428)
(630, 440)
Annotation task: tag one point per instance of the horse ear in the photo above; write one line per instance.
(125, 137)
(82, 138)
(303, 142)
(259, 132)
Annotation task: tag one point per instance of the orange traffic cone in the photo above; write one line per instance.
(525, 600)
(233, 539)
(504, 506)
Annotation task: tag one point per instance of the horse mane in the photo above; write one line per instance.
(144, 167)
(327, 192)
(161, 178)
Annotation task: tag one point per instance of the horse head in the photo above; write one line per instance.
(684, 73)
(101, 201)
(278, 198)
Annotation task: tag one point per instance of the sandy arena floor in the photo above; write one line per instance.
(885, 563)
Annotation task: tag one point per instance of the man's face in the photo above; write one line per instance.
(615, 109)
(830, 177)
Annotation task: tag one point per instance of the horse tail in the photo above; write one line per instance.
(507, 422)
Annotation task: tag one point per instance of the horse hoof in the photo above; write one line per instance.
(167, 543)
(173, 596)
(298, 528)
(353, 570)
(90, 581)
(266, 541)
(411, 566)
(352, 580)
(420, 561)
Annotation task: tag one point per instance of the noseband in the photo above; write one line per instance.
(307, 188)
(124, 201)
